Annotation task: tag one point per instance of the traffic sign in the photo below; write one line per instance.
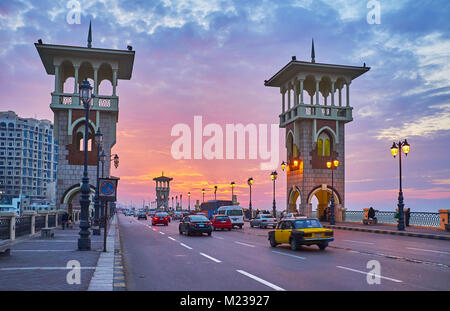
(108, 189)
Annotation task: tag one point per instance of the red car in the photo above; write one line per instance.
(221, 222)
(160, 218)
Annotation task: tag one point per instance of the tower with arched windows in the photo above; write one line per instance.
(70, 65)
(314, 114)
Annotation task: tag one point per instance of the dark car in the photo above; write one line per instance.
(195, 224)
(142, 215)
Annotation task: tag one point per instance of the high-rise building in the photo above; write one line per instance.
(28, 157)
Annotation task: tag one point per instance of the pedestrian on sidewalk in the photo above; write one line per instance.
(64, 220)
(407, 216)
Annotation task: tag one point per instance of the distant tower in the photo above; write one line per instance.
(76, 63)
(314, 129)
(162, 191)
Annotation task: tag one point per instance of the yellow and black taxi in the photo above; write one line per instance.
(297, 232)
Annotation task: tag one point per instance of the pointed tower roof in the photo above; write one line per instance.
(313, 53)
(90, 35)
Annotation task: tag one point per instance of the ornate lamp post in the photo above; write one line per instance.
(397, 149)
(98, 141)
(203, 193)
(215, 191)
(84, 241)
(189, 201)
(233, 184)
(250, 183)
(273, 176)
(283, 165)
(332, 165)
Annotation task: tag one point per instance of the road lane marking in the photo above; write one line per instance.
(212, 258)
(429, 250)
(366, 273)
(161, 233)
(254, 277)
(184, 245)
(249, 245)
(288, 255)
(218, 237)
(359, 242)
(171, 238)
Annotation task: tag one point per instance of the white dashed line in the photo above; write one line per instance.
(260, 280)
(429, 250)
(249, 245)
(184, 245)
(363, 272)
(171, 238)
(212, 258)
(361, 242)
(161, 233)
(288, 255)
(218, 237)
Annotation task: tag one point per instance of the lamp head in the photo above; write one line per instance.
(283, 165)
(273, 175)
(85, 91)
(98, 137)
(394, 149)
(329, 164)
(250, 181)
(405, 147)
(336, 163)
(116, 161)
(233, 184)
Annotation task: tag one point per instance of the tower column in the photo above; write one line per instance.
(348, 94)
(301, 91)
(75, 85)
(283, 97)
(340, 97)
(332, 93)
(114, 81)
(56, 78)
(317, 92)
(294, 87)
(289, 97)
(96, 81)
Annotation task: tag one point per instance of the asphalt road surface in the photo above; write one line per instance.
(159, 258)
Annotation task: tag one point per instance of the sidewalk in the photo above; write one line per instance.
(42, 264)
(418, 232)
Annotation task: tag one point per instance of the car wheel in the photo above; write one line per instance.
(209, 233)
(188, 232)
(240, 226)
(229, 229)
(272, 242)
(294, 245)
(323, 246)
(251, 226)
(179, 230)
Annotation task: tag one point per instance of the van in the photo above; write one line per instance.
(235, 213)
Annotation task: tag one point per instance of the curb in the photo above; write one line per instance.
(410, 234)
(119, 283)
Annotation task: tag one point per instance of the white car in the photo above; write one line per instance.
(236, 214)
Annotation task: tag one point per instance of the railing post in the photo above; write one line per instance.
(32, 215)
(12, 227)
(444, 217)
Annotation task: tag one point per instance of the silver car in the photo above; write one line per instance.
(263, 221)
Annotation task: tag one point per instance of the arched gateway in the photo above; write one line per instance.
(71, 65)
(315, 130)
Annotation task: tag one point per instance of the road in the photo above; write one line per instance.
(159, 258)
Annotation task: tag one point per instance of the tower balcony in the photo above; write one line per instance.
(325, 112)
(72, 101)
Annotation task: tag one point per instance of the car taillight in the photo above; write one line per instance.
(165, 218)
(155, 218)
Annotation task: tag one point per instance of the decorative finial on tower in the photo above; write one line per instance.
(162, 173)
(313, 54)
(90, 35)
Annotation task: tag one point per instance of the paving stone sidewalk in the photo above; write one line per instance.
(41, 264)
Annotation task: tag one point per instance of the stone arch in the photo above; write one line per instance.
(290, 146)
(105, 72)
(71, 193)
(330, 131)
(323, 198)
(86, 71)
(294, 195)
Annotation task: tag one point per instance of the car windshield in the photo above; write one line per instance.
(234, 212)
(266, 216)
(307, 223)
(161, 215)
(198, 218)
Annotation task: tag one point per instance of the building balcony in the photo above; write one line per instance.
(325, 112)
(72, 101)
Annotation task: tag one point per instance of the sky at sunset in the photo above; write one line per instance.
(210, 58)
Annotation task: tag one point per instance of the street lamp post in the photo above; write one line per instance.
(233, 184)
(84, 241)
(250, 183)
(189, 201)
(332, 165)
(273, 176)
(98, 141)
(215, 191)
(397, 149)
(203, 193)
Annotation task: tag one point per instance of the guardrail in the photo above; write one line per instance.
(13, 226)
(423, 219)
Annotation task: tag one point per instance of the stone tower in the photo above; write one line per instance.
(74, 64)
(314, 114)
(162, 192)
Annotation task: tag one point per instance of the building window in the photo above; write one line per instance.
(323, 145)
